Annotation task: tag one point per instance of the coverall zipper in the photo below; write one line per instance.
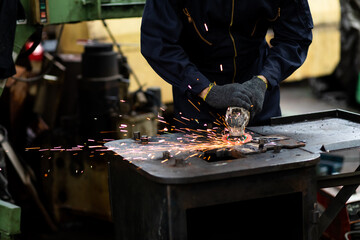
(191, 20)
(232, 38)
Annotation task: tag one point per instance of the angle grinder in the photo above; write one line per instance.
(237, 119)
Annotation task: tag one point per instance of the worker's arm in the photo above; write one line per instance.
(160, 33)
(292, 37)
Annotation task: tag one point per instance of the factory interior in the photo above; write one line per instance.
(88, 147)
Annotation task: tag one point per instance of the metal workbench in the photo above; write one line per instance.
(269, 194)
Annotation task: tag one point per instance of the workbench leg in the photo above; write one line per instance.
(310, 210)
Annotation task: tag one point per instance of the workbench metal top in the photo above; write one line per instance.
(198, 170)
(319, 131)
(320, 135)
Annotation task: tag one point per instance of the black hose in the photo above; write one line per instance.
(32, 48)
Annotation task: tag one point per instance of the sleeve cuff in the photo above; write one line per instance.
(271, 82)
(196, 83)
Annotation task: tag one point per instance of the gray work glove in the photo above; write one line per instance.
(229, 95)
(255, 91)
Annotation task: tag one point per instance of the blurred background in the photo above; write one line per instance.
(86, 83)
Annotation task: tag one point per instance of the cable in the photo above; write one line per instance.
(349, 233)
(51, 64)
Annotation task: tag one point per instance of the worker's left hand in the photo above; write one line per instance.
(256, 88)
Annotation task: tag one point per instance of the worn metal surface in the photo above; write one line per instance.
(324, 130)
(148, 160)
(335, 133)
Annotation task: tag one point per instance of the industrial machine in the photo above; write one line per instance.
(75, 109)
(40, 13)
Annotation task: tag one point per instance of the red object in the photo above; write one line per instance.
(341, 223)
(37, 54)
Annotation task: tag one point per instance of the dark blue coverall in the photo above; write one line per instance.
(191, 43)
(10, 11)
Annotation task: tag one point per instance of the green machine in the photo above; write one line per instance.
(9, 220)
(46, 12)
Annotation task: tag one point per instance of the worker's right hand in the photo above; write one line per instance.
(229, 95)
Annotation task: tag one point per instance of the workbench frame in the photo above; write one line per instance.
(144, 209)
(349, 181)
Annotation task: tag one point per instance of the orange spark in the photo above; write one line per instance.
(194, 105)
(179, 121)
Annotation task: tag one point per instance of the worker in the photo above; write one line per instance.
(10, 12)
(215, 55)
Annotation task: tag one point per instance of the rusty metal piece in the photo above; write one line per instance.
(291, 143)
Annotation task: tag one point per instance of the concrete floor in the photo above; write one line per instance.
(299, 98)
